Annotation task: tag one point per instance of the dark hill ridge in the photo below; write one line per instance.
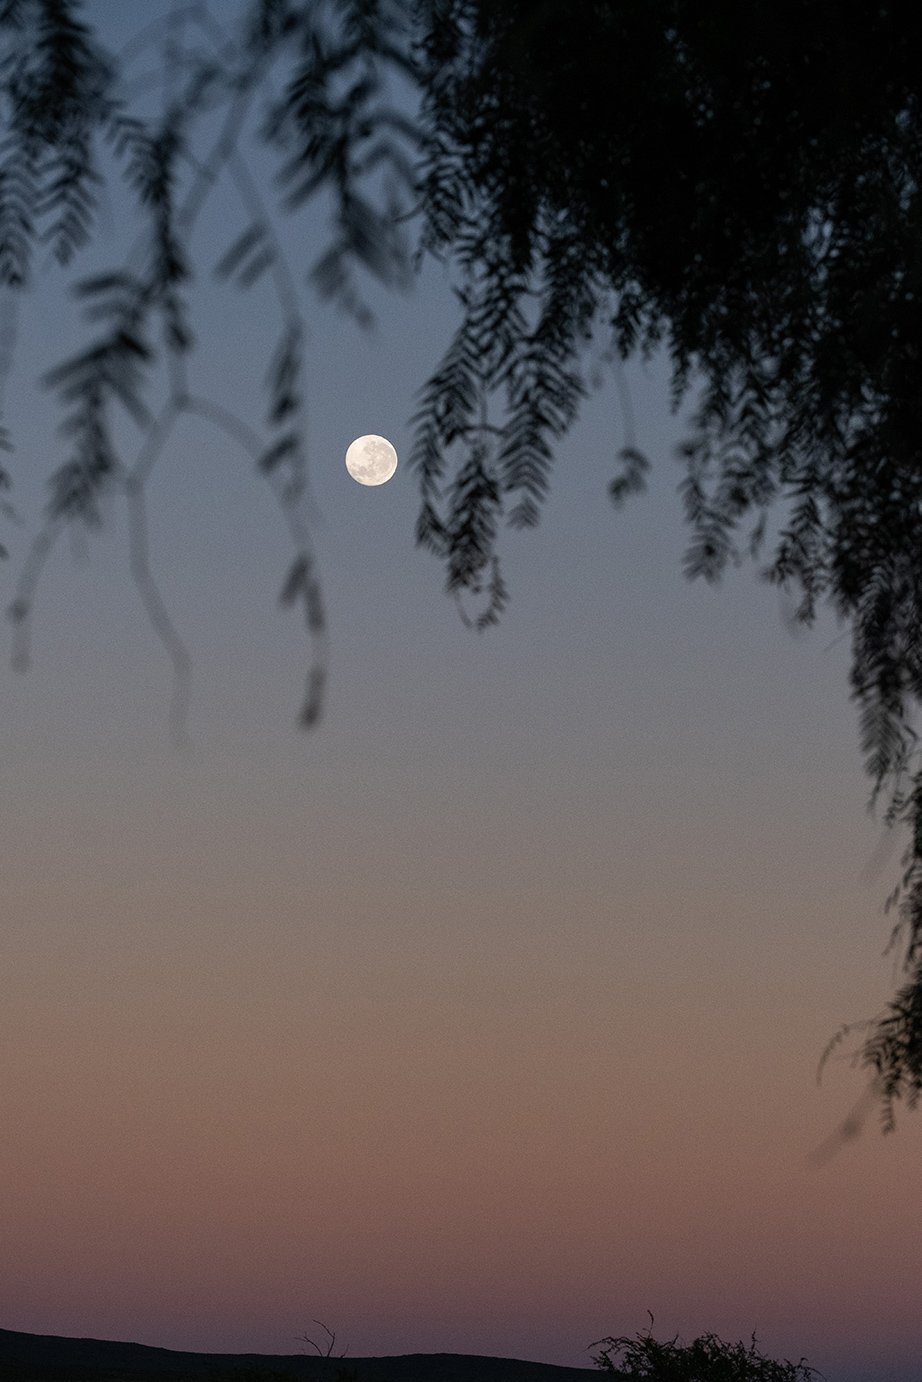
(49, 1358)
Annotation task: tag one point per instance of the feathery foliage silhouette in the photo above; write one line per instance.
(736, 185)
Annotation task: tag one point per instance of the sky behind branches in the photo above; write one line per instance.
(485, 1018)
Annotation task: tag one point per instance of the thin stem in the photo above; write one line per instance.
(20, 611)
(291, 508)
(624, 397)
(210, 170)
(255, 207)
(158, 614)
(139, 559)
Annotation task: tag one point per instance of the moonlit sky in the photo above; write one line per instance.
(484, 1019)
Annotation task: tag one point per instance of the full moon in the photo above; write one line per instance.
(371, 460)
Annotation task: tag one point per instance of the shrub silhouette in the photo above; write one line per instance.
(707, 1359)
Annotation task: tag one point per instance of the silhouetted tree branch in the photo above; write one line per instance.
(738, 186)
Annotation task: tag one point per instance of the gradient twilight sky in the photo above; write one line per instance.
(487, 1017)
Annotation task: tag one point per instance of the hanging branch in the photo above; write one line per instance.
(338, 135)
(765, 231)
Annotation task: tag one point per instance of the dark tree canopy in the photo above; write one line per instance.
(741, 183)
(736, 184)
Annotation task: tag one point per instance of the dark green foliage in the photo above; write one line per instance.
(55, 87)
(55, 84)
(336, 126)
(338, 135)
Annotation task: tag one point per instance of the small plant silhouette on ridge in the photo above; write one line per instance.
(342, 1374)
